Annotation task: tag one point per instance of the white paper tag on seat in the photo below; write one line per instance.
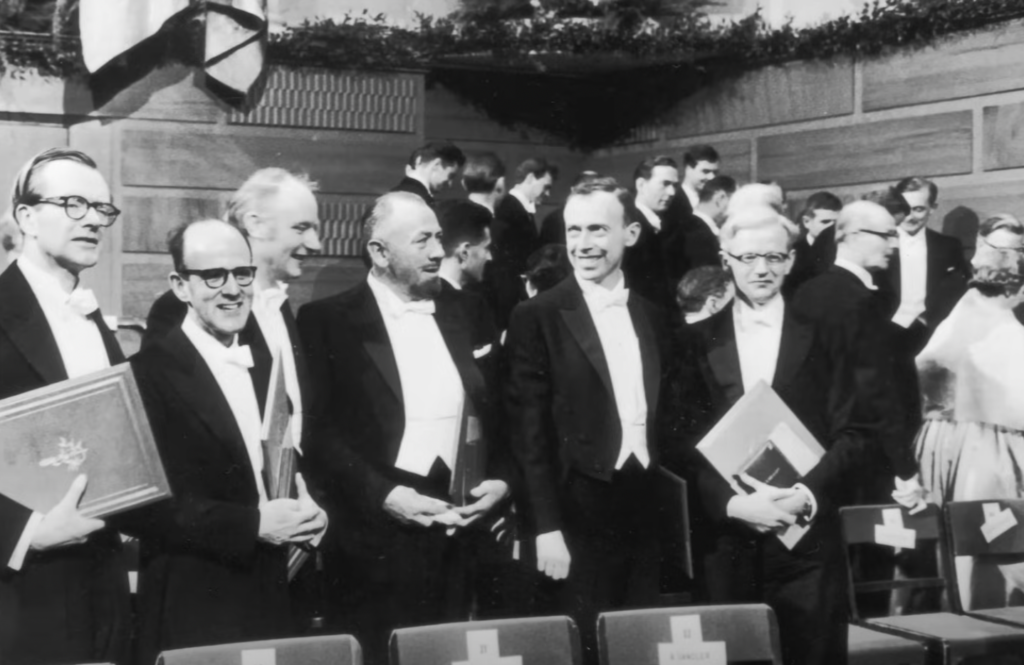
(705, 653)
(893, 517)
(998, 525)
(895, 536)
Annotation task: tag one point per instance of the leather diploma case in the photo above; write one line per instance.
(95, 425)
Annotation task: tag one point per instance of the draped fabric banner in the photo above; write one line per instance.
(234, 43)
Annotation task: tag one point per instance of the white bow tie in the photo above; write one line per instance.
(83, 302)
(753, 319)
(425, 307)
(602, 301)
(272, 298)
(238, 355)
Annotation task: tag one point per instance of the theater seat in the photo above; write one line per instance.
(632, 637)
(872, 647)
(320, 650)
(540, 641)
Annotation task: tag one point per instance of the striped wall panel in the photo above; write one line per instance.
(340, 228)
(328, 100)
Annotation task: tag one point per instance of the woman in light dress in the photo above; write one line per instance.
(971, 445)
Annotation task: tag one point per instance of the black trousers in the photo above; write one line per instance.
(611, 530)
(807, 589)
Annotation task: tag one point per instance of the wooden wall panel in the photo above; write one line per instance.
(769, 96)
(21, 142)
(149, 215)
(448, 117)
(978, 64)
(929, 145)
(1003, 136)
(200, 157)
(621, 162)
(145, 279)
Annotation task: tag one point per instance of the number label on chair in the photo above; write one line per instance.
(892, 532)
(482, 647)
(259, 657)
(998, 523)
(688, 645)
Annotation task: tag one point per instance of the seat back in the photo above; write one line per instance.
(634, 637)
(320, 650)
(537, 641)
(966, 525)
(892, 526)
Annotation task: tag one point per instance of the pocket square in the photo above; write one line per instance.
(481, 352)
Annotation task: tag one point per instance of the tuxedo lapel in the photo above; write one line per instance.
(934, 262)
(724, 357)
(114, 353)
(893, 275)
(195, 384)
(581, 324)
(301, 368)
(371, 331)
(650, 355)
(457, 337)
(23, 320)
(793, 348)
(262, 361)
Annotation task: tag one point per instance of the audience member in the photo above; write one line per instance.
(394, 366)
(700, 164)
(552, 229)
(648, 265)
(760, 338)
(699, 240)
(819, 215)
(10, 239)
(704, 291)
(483, 178)
(430, 169)
(214, 566)
(546, 268)
(582, 398)
(466, 229)
(754, 196)
(64, 591)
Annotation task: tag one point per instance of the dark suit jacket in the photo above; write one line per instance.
(946, 282)
(559, 395)
(811, 261)
(205, 578)
(358, 417)
(855, 326)
(414, 186)
(78, 592)
(552, 229)
(697, 244)
(514, 238)
(654, 265)
(167, 313)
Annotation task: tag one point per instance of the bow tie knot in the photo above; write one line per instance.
(238, 355)
(83, 302)
(274, 297)
(603, 301)
(423, 307)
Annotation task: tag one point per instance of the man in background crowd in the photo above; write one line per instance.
(700, 164)
(648, 265)
(64, 588)
(552, 229)
(704, 291)
(483, 178)
(431, 169)
(819, 214)
(699, 239)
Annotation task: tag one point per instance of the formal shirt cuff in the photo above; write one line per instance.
(17, 559)
(810, 499)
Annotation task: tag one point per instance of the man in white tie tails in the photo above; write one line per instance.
(585, 361)
(214, 561)
(63, 573)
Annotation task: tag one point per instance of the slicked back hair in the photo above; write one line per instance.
(699, 284)
(700, 153)
(916, 184)
(259, 188)
(720, 183)
(462, 221)
(821, 201)
(646, 168)
(23, 190)
(538, 166)
(446, 151)
(482, 173)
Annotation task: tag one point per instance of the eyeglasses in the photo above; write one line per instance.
(772, 258)
(888, 235)
(216, 278)
(77, 207)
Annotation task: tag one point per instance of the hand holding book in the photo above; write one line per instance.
(766, 509)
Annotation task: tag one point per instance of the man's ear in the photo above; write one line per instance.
(632, 233)
(25, 217)
(462, 251)
(378, 252)
(254, 225)
(180, 288)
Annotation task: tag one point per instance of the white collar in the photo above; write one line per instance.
(530, 207)
(417, 178)
(44, 284)
(455, 284)
(270, 298)
(593, 289)
(391, 304)
(772, 313)
(691, 194)
(707, 220)
(858, 272)
(907, 240)
(208, 346)
(651, 216)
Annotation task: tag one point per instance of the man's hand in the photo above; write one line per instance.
(410, 507)
(289, 521)
(910, 494)
(490, 493)
(552, 555)
(64, 525)
(768, 508)
(307, 502)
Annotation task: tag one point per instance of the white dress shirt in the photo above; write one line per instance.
(707, 220)
(266, 307)
(230, 367)
(432, 390)
(81, 350)
(860, 273)
(622, 353)
(913, 277)
(692, 195)
(530, 206)
(651, 216)
(454, 283)
(758, 336)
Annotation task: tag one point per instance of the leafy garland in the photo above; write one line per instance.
(573, 68)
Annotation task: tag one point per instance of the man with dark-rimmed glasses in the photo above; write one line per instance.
(63, 574)
(214, 558)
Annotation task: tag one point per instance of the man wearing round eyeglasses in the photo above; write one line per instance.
(63, 573)
(761, 338)
(216, 563)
